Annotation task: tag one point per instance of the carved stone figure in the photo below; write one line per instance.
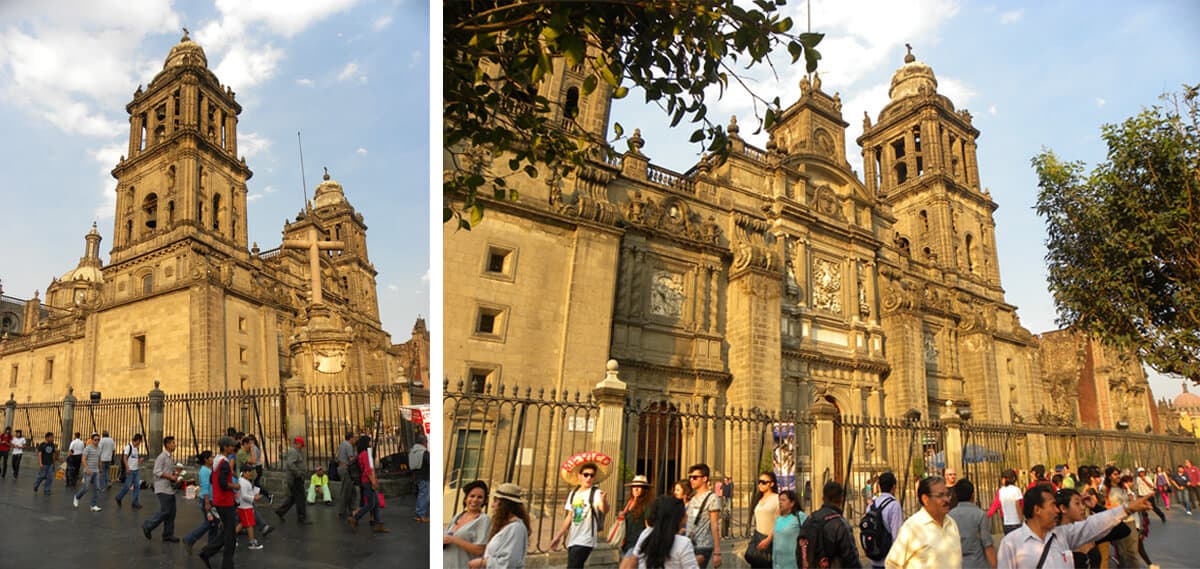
(666, 294)
(827, 285)
(931, 351)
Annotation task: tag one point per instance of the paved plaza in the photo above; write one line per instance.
(41, 531)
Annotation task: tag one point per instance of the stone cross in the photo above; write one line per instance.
(314, 246)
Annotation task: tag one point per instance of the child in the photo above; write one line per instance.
(246, 498)
(319, 483)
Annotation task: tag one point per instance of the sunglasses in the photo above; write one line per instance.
(588, 474)
(695, 476)
(764, 481)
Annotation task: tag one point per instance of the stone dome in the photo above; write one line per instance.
(1187, 400)
(912, 78)
(186, 52)
(328, 193)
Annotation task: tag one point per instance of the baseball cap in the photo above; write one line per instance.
(299, 440)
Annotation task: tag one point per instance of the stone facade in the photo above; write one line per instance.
(183, 299)
(769, 280)
(1100, 385)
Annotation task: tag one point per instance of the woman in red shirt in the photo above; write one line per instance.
(370, 488)
(5, 448)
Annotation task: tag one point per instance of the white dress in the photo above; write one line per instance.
(506, 550)
(475, 531)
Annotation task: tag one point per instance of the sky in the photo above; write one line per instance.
(351, 75)
(1034, 75)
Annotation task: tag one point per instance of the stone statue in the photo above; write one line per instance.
(805, 86)
(816, 81)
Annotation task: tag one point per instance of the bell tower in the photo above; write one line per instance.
(920, 158)
(181, 177)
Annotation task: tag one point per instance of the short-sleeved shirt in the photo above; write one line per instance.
(506, 549)
(922, 543)
(133, 456)
(783, 541)
(1009, 496)
(364, 464)
(765, 512)
(18, 446)
(582, 507)
(164, 464)
(1180, 479)
(47, 452)
(681, 556)
(5, 442)
(475, 531)
(107, 448)
(243, 457)
(91, 458)
(205, 482)
(345, 453)
(699, 527)
(974, 533)
(1193, 475)
(76, 447)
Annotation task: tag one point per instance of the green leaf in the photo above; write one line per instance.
(476, 214)
(618, 129)
(572, 48)
(697, 135)
(447, 214)
(620, 92)
(589, 84)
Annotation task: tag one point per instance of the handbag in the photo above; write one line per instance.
(754, 556)
(616, 535)
(334, 475)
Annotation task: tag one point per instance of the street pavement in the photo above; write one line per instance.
(47, 531)
(1174, 545)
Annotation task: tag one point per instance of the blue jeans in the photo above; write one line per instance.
(212, 528)
(104, 466)
(422, 498)
(164, 516)
(45, 472)
(133, 478)
(371, 500)
(90, 481)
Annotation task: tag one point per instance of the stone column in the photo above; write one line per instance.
(823, 465)
(10, 411)
(154, 438)
(294, 392)
(610, 396)
(954, 444)
(1036, 447)
(68, 415)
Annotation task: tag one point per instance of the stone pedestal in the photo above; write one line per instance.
(296, 413)
(68, 416)
(823, 461)
(154, 438)
(320, 349)
(610, 396)
(954, 444)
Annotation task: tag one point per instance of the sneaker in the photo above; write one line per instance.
(171, 539)
(267, 529)
(255, 545)
(136, 506)
(353, 523)
(146, 532)
(188, 545)
(380, 529)
(204, 559)
(118, 502)
(95, 508)
(74, 500)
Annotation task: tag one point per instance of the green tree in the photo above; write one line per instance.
(1124, 240)
(497, 52)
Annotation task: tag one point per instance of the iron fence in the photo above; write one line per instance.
(865, 447)
(331, 412)
(37, 419)
(122, 418)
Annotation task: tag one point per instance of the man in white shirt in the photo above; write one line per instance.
(18, 451)
(133, 461)
(1040, 543)
(929, 539)
(74, 459)
(587, 505)
(107, 447)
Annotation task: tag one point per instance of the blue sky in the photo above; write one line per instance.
(352, 75)
(1034, 75)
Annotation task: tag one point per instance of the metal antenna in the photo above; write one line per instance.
(809, 16)
(303, 181)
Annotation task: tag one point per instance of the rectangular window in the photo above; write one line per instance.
(499, 262)
(487, 321)
(12, 380)
(468, 449)
(138, 356)
(490, 322)
(243, 354)
(49, 370)
(147, 284)
(478, 379)
(242, 324)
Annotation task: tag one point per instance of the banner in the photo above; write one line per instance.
(418, 414)
(783, 455)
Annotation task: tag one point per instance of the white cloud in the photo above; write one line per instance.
(253, 197)
(415, 59)
(381, 23)
(269, 190)
(1100, 102)
(425, 277)
(361, 151)
(246, 66)
(351, 71)
(107, 156)
(958, 91)
(393, 287)
(304, 82)
(251, 144)
(991, 109)
(1012, 16)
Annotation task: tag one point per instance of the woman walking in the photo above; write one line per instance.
(787, 531)
(510, 531)
(660, 546)
(634, 512)
(370, 489)
(766, 509)
(1163, 485)
(467, 533)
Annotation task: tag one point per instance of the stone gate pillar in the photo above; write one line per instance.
(10, 411)
(954, 440)
(68, 416)
(154, 438)
(823, 461)
(296, 416)
(610, 396)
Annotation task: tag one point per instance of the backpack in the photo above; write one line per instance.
(812, 543)
(416, 457)
(122, 469)
(597, 519)
(873, 534)
(354, 471)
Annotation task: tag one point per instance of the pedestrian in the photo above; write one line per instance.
(974, 529)
(785, 537)
(726, 495)
(370, 489)
(1179, 481)
(74, 458)
(930, 537)
(166, 476)
(634, 514)
(1162, 486)
(418, 464)
(133, 477)
(107, 447)
(18, 451)
(509, 536)
(825, 537)
(247, 495)
(660, 545)
(467, 533)
(1116, 496)
(682, 490)
(951, 476)
(766, 509)
(47, 456)
(1042, 542)
(256, 455)
(91, 472)
(208, 514)
(225, 489)
(1037, 475)
(890, 514)
(5, 448)
(1142, 486)
(1008, 502)
(347, 458)
(1193, 485)
(293, 464)
(586, 504)
(319, 484)
(1068, 479)
(702, 517)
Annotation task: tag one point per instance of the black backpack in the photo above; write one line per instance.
(873, 534)
(812, 554)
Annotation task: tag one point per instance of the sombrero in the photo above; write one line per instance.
(639, 480)
(509, 491)
(569, 471)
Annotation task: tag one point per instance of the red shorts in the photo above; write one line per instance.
(246, 517)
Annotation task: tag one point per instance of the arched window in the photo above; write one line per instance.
(170, 212)
(148, 283)
(571, 107)
(150, 210)
(901, 172)
(128, 231)
(970, 255)
(924, 221)
(216, 212)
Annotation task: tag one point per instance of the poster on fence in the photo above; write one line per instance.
(418, 414)
(783, 455)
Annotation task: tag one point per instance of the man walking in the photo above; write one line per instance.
(293, 465)
(1193, 487)
(1041, 542)
(929, 538)
(133, 461)
(257, 457)
(974, 528)
(889, 509)
(225, 488)
(74, 458)
(418, 463)
(18, 451)
(107, 447)
(586, 504)
(91, 476)
(47, 456)
(703, 517)
(827, 539)
(1179, 481)
(165, 477)
(348, 499)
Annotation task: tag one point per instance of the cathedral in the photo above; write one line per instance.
(184, 299)
(775, 278)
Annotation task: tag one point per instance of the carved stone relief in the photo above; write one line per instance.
(666, 294)
(827, 285)
(931, 351)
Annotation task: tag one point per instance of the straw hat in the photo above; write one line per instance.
(639, 480)
(511, 492)
(569, 471)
